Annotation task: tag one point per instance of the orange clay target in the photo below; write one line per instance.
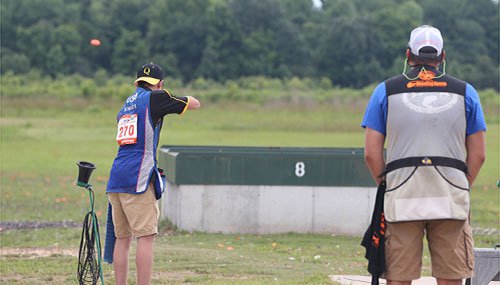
(95, 42)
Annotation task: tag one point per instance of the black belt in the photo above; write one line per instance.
(417, 161)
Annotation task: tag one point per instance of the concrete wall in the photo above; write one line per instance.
(268, 209)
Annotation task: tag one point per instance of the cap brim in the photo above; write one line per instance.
(150, 80)
(431, 55)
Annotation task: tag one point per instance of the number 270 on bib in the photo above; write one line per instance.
(127, 130)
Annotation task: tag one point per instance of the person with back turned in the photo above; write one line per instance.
(434, 128)
(135, 183)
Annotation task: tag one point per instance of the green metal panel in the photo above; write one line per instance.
(210, 165)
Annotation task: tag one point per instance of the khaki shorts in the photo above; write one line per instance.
(450, 244)
(135, 214)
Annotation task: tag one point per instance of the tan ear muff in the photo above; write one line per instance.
(442, 57)
(408, 53)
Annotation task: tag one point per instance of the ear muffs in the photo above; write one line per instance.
(442, 56)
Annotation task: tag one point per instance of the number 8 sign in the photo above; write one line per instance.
(300, 169)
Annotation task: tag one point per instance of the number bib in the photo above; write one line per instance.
(127, 130)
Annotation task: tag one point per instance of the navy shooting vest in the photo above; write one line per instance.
(136, 164)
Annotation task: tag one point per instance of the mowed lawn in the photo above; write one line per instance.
(42, 139)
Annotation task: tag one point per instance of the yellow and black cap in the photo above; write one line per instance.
(150, 73)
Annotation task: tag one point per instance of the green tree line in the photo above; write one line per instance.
(352, 43)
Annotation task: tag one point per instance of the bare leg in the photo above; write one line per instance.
(144, 259)
(391, 282)
(120, 260)
(449, 281)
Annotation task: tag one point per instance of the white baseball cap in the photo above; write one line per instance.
(426, 36)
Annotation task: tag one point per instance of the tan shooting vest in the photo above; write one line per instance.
(426, 131)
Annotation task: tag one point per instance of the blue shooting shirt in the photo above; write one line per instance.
(376, 111)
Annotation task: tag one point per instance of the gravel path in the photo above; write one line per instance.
(21, 225)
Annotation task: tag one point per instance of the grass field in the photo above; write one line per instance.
(41, 140)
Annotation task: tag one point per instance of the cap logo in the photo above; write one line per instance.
(146, 70)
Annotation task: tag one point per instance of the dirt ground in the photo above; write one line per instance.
(37, 252)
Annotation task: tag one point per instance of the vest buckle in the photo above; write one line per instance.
(426, 161)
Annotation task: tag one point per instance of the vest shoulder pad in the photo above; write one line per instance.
(400, 84)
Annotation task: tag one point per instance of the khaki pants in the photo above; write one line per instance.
(450, 244)
(135, 214)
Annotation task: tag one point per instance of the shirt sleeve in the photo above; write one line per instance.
(163, 103)
(474, 111)
(376, 111)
